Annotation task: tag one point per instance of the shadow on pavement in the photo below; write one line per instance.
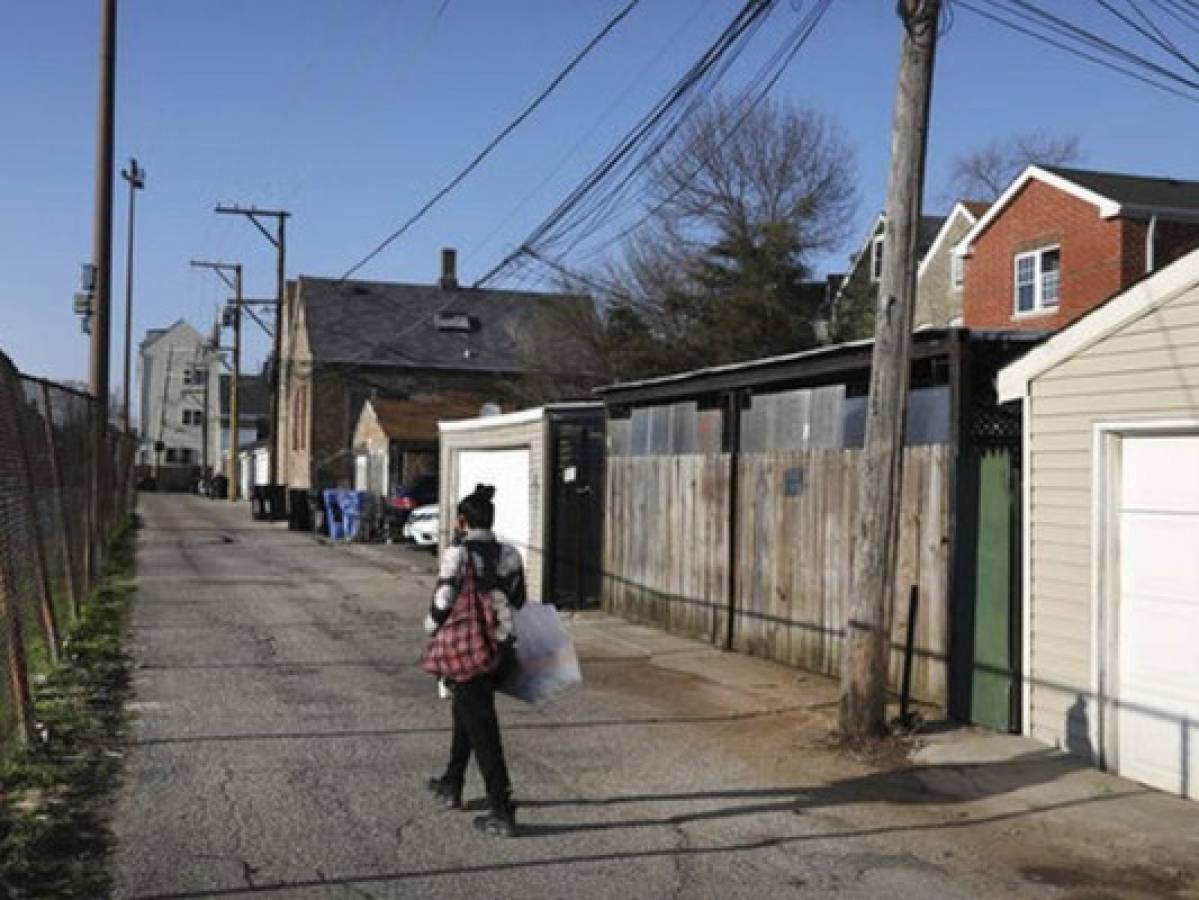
(930, 785)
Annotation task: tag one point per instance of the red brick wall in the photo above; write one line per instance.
(1092, 267)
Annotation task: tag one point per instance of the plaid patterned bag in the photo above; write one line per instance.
(464, 645)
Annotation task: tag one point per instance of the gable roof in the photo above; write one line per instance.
(1135, 301)
(930, 227)
(154, 335)
(253, 396)
(380, 323)
(1136, 192)
(1112, 193)
(416, 419)
(969, 210)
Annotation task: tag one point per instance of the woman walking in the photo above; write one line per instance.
(497, 573)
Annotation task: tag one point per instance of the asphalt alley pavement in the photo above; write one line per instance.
(284, 732)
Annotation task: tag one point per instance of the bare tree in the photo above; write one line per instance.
(984, 173)
(738, 204)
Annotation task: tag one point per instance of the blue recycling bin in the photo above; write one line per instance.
(334, 517)
(351, 510)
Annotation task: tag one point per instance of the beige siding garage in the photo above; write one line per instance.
(500, 435)
(1131, 367)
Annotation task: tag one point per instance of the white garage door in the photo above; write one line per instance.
(1158, 672)
(508, 471)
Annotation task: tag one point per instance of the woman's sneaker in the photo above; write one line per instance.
(448, 792)
(498, 823)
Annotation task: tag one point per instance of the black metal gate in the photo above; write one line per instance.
(576, 514)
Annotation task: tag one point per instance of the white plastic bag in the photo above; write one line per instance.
(546, 662)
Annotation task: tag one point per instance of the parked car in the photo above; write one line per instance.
(423, 526)
(403, 500)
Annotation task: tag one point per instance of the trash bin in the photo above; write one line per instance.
(351, 509)
(316, 513)
(299, 513)
(274, 502)
(334, 518)
(220, 487)
(257, 503)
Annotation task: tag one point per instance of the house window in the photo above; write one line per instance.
(1038, 280)
(187, 455)
(957, 271)
(172, 455)
(876, 259)
(192, 417)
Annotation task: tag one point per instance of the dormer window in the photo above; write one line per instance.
(876, 259)
(1038, 276)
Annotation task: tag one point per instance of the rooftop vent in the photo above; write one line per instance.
(456, 322)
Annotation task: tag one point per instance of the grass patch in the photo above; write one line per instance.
(53, 834)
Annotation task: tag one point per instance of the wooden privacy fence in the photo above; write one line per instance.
(666, 553)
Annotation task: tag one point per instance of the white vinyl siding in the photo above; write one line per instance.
(1038, 280)
(529, 435)
(1146, 370)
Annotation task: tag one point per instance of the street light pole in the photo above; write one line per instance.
(137, 180)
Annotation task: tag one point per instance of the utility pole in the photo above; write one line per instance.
(160, 444)
(102, 224)
(279, 240)
(137, 180)
(864, 674)
(101, 306)
(222, 269)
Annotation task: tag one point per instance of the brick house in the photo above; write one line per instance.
(1060, 241)
(348, 341)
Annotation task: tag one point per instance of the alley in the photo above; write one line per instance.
(284, 731)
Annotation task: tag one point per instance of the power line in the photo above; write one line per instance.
(495, 142)
(654, 127)
(1031, 31)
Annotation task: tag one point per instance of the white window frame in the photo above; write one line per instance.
(193, 417)
(957, 271)
(1039, 305)
(876, 259)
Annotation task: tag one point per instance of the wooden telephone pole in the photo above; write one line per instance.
(221, 268)
(865, 657)
(279, 241)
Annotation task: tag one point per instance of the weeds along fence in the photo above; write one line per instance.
(65, 488)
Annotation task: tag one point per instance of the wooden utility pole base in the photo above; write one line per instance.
(863, 686)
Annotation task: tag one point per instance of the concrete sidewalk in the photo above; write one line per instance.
(285, 733)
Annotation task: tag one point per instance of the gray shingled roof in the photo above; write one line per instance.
(1136, 190)
(253, 396)
(930, 227)
(384, 323)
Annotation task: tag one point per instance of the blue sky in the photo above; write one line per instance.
(351, 113)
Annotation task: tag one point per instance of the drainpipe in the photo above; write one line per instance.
(1150, 243)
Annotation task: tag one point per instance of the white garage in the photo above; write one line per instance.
(542, 490)
(1111, 533)
(1157, 672)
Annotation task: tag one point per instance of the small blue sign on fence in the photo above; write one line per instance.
(793, 482)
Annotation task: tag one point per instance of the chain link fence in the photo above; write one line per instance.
(65, 488)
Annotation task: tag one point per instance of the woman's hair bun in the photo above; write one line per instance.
(486, 491)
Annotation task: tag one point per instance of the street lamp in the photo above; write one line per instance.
(137, 180)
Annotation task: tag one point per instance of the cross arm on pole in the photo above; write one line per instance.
(220, 268)
(261, 324)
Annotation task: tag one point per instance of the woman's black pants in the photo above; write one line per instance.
(477, 728)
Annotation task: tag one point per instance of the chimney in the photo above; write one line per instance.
(449, 269)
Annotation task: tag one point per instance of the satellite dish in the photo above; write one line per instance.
(489, 409)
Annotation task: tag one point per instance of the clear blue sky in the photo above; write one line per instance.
(350, 113)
